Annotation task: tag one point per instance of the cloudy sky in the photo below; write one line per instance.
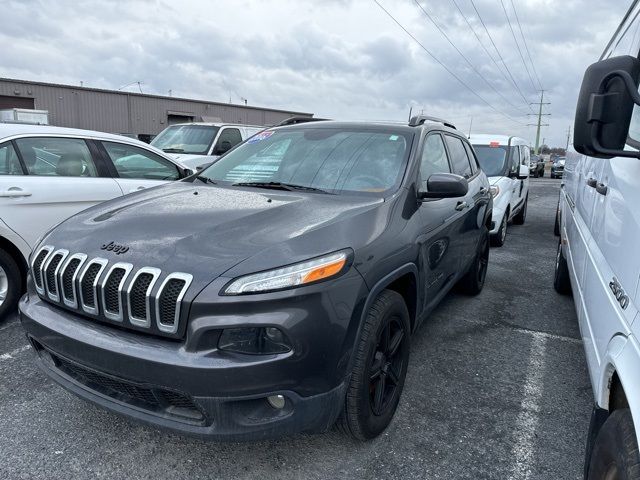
(344, 59)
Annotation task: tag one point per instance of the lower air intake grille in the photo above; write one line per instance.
(169, 300)
(157, 400)
(88, 297)
(137, 297)
(111, 290)
(37, 264)
(67, 279)
(51, 273)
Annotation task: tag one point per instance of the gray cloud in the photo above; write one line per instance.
(337, 58)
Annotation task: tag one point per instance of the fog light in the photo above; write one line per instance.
(276, 401)
(256, 341)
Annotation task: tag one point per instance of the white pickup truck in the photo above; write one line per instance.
(597, 257)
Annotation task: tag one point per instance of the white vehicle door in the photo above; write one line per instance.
(136, 168)
(514, 183)
(55, 178)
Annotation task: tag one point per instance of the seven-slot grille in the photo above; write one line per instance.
(115, 291)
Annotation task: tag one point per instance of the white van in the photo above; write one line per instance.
(505, 160)
(598, 256)
(197, 144)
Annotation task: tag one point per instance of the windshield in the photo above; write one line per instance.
(192, 139)
(336, 160)
(492, 160)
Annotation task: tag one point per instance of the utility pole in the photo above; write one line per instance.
(568, 138)
(540, 115)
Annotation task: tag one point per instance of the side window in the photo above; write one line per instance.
(9, 162)
(475, 166)
(459, 159)
(136, 162)
(524, 149)
(515, 159)
(229, 138)
(434, 157)
(52, 156)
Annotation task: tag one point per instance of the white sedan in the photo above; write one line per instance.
(49, 173)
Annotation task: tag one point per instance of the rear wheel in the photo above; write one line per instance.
(522, 214)
(615, 451)
(10, 285)
(497, 240)
(473, 281)
(556, 226)
(561, 282)
(380, 367)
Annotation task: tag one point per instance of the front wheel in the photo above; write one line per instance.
(615, 452)
(500, 236)
(380, 367)
(10, 285)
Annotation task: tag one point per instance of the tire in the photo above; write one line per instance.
(10, 285)
(561, 281)
(556, 226)
(497, 240)
(542, 173)
(615, 452)
(380, 367)
(473, 281)
(521, 216)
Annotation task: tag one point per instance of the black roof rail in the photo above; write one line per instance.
(418, 120)
(296, 120)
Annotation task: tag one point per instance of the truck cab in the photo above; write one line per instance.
(505, 161)
(597, 258)
(199, 143)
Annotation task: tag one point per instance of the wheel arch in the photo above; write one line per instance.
(15, 252)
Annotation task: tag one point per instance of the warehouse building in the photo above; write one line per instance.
(127, 113)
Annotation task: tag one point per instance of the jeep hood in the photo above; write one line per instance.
(205, 230)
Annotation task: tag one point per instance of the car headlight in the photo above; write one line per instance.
(302, 273)
(495, 191)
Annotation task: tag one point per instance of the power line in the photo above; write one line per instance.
(464, 84)
(496, 48)
(524, 40)
(444, 34)
(513, 33)
(488, 53)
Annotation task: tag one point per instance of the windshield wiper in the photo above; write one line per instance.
(290, 187)
(173, 150)
(204, 179)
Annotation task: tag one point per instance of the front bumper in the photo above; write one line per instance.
(192, 387)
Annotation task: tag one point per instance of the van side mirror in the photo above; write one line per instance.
(445, 185)
(603, 115)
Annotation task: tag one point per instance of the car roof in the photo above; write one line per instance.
(216, 124)
(487, 139)
(372, 125)
(8, 130)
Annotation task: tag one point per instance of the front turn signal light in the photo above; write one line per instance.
(303, 273)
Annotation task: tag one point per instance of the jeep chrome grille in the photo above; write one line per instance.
(113, 291)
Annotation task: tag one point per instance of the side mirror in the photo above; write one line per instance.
(608, 94)
(187, 172)
(523, 172)
(445, 185)
(223, 147)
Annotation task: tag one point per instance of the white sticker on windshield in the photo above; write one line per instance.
(258, 137)
(393, 137)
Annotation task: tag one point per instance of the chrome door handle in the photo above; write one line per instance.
(461, 206)
(14, 192)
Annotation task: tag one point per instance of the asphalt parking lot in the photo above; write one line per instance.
(497, 388)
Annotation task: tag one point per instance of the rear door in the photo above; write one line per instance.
(136, 168)
(56, 178)
(438, 237)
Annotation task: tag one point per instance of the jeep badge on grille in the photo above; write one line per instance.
(115, 248)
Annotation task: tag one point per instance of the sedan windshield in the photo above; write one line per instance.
(334, 160)
(191, 139)
(492, 159)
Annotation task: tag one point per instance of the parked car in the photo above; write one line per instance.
(276, 291)
(596, 257)
(48, 174)
(197, 144)
(557, 168)
(505, 160)
(536, 166)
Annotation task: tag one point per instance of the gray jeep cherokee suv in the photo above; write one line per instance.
(275, 291)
